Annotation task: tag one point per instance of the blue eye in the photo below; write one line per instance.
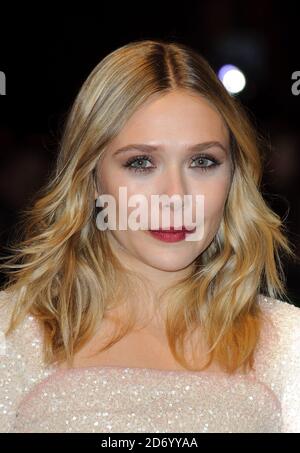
(140, 160)
(214, 161)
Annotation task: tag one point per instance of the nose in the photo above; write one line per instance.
(174, 183)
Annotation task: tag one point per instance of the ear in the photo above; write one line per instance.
(96, 194)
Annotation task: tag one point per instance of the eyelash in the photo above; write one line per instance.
(149, 169)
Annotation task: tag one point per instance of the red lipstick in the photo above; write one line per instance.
(171, 234)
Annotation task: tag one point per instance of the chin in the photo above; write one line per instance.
(170, 265)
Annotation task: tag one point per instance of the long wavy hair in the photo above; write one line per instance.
(63, 270)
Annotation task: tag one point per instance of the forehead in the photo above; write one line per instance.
(176, 117)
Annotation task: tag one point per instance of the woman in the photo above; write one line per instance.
(132, 330)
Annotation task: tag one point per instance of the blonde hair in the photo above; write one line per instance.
(63, 270)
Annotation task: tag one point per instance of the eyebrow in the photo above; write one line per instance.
(151, 148)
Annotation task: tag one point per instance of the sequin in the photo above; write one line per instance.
(38, 398)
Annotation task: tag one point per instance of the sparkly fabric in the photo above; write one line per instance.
(39, 398)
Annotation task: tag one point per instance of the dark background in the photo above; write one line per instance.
(46, 57)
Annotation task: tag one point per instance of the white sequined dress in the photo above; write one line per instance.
(37, 398)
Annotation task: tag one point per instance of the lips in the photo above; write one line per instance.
(173, 230)
(171, 234)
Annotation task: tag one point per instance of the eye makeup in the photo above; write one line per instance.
(144, 158)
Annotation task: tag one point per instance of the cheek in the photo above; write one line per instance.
(215, 196)
(214, 201)
(122, 187)
(113, 177)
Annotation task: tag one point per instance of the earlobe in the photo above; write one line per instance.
(96, 194)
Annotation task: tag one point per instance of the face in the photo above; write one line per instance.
(173, 123)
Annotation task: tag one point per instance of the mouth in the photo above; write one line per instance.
(171, 234)
(174, 230)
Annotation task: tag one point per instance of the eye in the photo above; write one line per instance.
(138, 164)
(139, 160)
(202, 158)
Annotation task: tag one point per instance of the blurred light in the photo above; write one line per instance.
(232, 78)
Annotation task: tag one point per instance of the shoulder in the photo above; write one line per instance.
(21, 359)
(284, 316)
(26, 339)
(280, 335)
(7, 301)
(278, 358)
(24, 346)
(11, 373)
(277, 305)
